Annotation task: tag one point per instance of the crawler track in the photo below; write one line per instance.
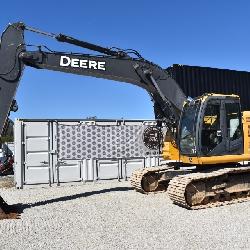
(195, 190)
(217, 188)
(148, 179)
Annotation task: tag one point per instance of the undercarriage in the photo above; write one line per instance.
(193, 188)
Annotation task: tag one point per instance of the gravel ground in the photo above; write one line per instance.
(6, 181)
(109, 215)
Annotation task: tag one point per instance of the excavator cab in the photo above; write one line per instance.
(211, 126)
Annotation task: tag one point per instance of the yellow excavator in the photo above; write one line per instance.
(210, 156)
(207, 139)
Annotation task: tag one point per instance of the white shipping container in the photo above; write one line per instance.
(53, 152)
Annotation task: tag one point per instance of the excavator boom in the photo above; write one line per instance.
(115, 65)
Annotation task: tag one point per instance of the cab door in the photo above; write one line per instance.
(212, 128)
(233, 123)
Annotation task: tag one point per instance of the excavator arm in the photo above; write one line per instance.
(11, 68)
(113, 64)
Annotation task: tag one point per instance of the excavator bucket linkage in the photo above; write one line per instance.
(7, 211)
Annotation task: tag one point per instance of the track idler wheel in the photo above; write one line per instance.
(149, 183)
(195, 193)
(7, 212)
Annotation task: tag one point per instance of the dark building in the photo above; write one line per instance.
(195, 81)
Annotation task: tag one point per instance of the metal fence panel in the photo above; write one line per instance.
(132, 164)
(108, 169)
(39, 150)
(69, 171)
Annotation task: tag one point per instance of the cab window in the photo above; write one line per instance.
(211, 133)
(233, 118)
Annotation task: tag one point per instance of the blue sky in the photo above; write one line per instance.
(195, 32)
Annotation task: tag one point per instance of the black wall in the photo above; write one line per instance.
(196, 81)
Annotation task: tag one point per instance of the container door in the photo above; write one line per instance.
(36, 147)
(68, 167)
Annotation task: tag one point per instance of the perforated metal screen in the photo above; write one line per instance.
(96, 141)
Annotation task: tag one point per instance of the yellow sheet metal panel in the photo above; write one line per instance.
(215, 159)
(246, 131)
(170, 151)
